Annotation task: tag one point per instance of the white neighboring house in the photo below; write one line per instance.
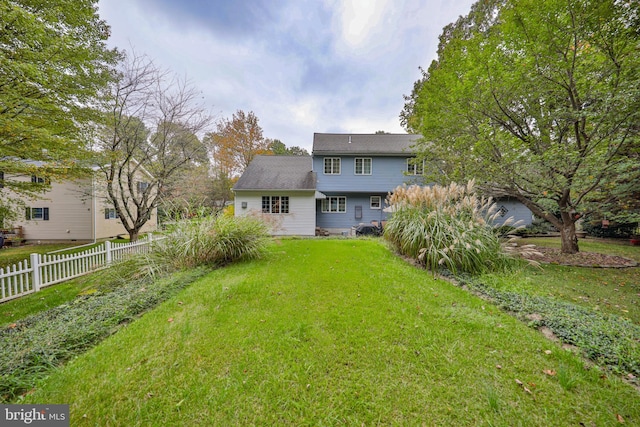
(74, 210)
(281, 189)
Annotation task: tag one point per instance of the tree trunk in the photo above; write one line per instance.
(133, 235)
(569, 238)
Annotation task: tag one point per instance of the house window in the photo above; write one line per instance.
(39, 180)
(37, 214)
(334, 204)
(375, 202)
(363, 166)
(275, 204)
(110, 213)
(142, 186)
(332, 165)
(415, 166)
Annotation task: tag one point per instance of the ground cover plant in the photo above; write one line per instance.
(31, 347)
(613, 291)
(332, 332)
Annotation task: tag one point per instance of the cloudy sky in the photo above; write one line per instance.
(302, 66)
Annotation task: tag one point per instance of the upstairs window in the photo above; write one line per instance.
(275, 204)
(332, 165)
(142, 186)
(415, 166)
(41, 214)
(363, 166)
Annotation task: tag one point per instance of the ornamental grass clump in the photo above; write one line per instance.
(209, 241)
(447, 227)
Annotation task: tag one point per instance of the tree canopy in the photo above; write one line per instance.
(53, 63)
(236, 142)
(278, 148)
(149, 134)
(538, 101)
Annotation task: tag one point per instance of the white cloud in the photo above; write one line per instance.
(301, 66)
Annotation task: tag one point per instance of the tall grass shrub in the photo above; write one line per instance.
(209, 241)
(447, 227)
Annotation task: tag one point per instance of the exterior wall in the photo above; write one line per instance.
(521, 214)
(300, 221)
(386, 174)
(70, 214)
(109, 228)
(76, 213)
(338, 222)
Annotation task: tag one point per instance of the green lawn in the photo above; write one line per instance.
(327, 332)
(609, 290)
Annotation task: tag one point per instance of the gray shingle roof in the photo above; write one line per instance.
(278, 173)
(373, 144)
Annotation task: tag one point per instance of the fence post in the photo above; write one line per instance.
(35, 275)
(107, 249)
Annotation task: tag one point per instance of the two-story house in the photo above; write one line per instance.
(72, 210)
(343, 184)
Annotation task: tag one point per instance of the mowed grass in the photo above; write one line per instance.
(609, 290)
(332, 332)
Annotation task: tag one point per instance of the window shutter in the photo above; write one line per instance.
(45, 214)
(27, 213)
(106, 214)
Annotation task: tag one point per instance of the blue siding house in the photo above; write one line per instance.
(356, 172)
(353, 174)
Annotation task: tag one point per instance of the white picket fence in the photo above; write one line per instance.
(40, 271)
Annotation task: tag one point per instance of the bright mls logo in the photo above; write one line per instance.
(34, 415)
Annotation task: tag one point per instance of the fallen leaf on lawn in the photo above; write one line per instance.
(547, 352)
(179, 302)
(631, 376)
(550, 372)
(170, 319)
(620, 419)
(499, 366)
(519, 382)
(13, 325)
(526, 389)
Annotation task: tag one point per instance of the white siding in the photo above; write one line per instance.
(70, 210)
(300, 221)
(75, 208)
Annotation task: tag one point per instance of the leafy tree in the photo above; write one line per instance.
(149, 135)
(536, 100)
(236, 142)
(53, 63)
(278, 148)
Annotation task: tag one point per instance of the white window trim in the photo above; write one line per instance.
(355, 168)
(338, 211)
(333, 159)
(280, 205)
(412, 167)
(379, 202)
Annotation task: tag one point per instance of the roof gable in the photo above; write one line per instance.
(278, 173)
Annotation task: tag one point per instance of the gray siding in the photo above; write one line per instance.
(337, 221)
(520, 213)
(386, 174)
